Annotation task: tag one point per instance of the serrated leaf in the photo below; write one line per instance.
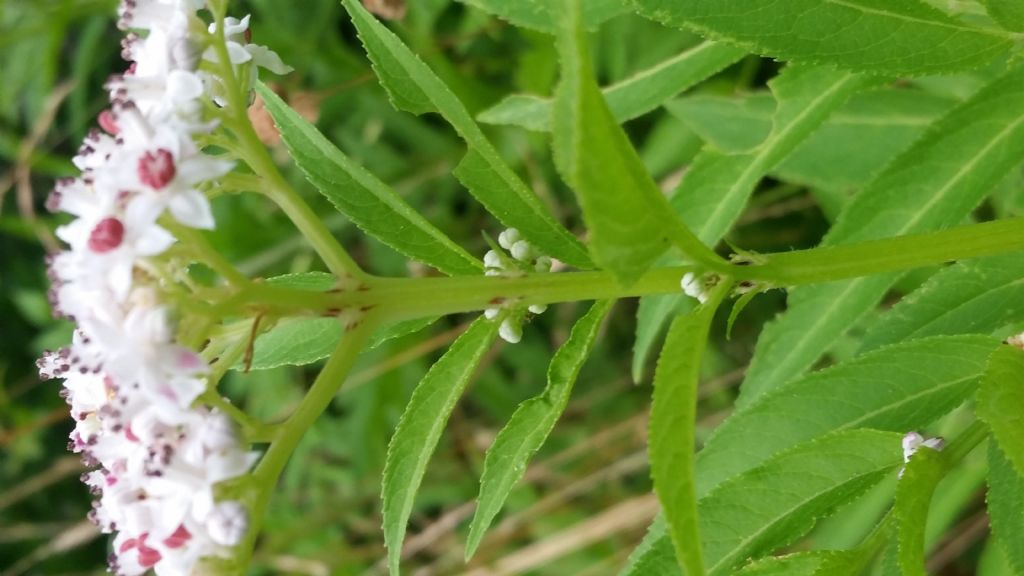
(296, 342)
(630, 98)
(904, 38)
(1000, 398)
(1005, 499)
(628, 218)
(799, 564)
(812, 563)
(420, 428)
(371, 204)
(933, 185)
(539, 15)
(717, 185)
(898, 388)
(531, 424)
(776, 503)
(913, 498)
(655, 554)
(414, 87)
(976, 297)
(852, 146)
(671, 439)
(301, 340)
(1007, 13)
(651, 316)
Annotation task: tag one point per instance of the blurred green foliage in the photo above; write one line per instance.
(324, 518)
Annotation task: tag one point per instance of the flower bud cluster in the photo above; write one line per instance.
(156, 456)
(521, 257)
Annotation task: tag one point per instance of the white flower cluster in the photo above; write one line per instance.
(521, 258)
(156, 457)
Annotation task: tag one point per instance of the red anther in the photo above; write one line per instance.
(156, 169)
(106, 236)
(108, 122)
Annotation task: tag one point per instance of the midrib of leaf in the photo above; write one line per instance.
(907, 400)
(810, 335)
(726, 560)
(964, 169)
(763, 156)
(627, 83)
(938, 23)
(965, 304)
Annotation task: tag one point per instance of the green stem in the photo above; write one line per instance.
(405, 298)
(274, 185)
(206, 253)
(888, 255)
(291, 431)
(966, 442)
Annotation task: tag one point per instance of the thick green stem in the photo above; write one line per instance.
(889, 254)
(289, 433)
(404, 298)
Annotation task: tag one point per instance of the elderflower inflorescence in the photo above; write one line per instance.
(156, 455)
(521, 257)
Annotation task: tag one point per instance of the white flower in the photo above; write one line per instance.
(227, 523)
(510, 331)
(508, 238)
(156, 457)
(693, 287)
(912, 442)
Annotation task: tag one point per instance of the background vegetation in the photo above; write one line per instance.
(586, 499)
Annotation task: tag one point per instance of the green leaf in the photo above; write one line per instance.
(671, 432)
(853, 145)
(362, 197)
(630, 98)
(1005, 499)
(420, 429)
(628, 218)
(539, 15)
(1000, 399)
(976, 297)
(913, 498)
(799, 564)
(1008, 13)
(716, 188)
(531, 424)
(906, 37)
(651, 316)
(898, 388)
(939, 180)
(655, 554)
(812, 563)
(776, 503)
(415, 88)
(717, 185)
(296, 341)
(301, 340)
(901, 387)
